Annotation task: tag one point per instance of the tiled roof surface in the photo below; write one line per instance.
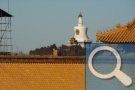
(122, 34)
(42, 76)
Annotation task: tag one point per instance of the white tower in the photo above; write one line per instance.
(80, 32)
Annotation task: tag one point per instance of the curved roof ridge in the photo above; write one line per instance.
(121, 34)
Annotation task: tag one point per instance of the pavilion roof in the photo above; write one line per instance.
(121, 34)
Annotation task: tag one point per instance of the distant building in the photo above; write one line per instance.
(55, 52)
(80, 34)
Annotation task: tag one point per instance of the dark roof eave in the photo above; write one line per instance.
(4, 14)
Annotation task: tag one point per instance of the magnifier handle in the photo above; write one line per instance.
(124, 78)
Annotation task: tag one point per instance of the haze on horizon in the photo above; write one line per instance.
(38, 23)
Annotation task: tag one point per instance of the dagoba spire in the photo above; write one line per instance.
(80, 19)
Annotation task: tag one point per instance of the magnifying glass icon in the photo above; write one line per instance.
(121, 76)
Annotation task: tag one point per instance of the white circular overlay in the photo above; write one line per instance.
(125, 79)
(104, 48)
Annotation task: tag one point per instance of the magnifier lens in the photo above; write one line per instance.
(104, 62)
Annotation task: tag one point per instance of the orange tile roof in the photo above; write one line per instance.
(42, 76)
(121, 34)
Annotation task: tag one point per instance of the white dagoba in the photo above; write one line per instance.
(80, 32)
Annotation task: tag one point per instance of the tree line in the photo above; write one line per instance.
(63, 50)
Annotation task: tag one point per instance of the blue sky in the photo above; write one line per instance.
(38, 23)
